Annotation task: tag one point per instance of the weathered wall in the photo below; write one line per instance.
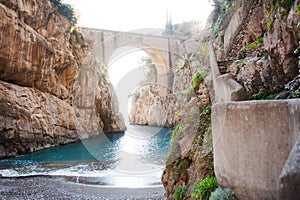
(42, 91)
(252, 141)
(289, 180)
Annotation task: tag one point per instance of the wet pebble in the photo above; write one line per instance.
(39, 188)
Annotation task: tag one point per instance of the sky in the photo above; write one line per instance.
(131, 60)
(128, 15)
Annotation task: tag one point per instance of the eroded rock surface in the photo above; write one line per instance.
(259, 44)
(52, 90)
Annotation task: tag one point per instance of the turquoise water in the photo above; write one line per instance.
(131, 159)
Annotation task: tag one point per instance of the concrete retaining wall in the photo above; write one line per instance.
(252, 141)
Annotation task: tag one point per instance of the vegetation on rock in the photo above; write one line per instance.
(256, 50)
(66, 10)
(198, 78)
(180, 192)
(222, 194)
(223, 8)
(151, 72)
(204, 188)
(185, 168)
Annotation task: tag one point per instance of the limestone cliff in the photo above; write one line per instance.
(52, 92)
(190, 153)
(255, 41)
(186, 106)
(154, 104)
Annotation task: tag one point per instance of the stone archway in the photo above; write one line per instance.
(105, 42)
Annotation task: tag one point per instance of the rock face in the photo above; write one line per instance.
(190, 153)
(150, 107)
(289, 187)
(257, 45)
(186, 106)
(46, 74)
(32, 120)
(154, 99)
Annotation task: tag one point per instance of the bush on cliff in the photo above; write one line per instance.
(222, 194)
(198, 78)
(180, 192)
(66, 10)
(204, 187)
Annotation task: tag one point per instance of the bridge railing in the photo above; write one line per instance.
(176, 37)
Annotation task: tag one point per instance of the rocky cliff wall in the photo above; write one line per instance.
(154, 104)
(52, 92)
(186, 107)
(257, 44)
(190, 153)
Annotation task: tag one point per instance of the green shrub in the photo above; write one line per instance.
(183, 165)
(270, 23)
(56, 2)
(253, 45)
(204, 187)
(263, 95)
(222, 194)
(298, 9)
(66, 10)
(266, 55)
(207, 110)
(259, 40)
(180, 192)
(287, 4)
(208, 129)
(198, 78)
(177, 129)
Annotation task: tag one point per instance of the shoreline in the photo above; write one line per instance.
(58, 188)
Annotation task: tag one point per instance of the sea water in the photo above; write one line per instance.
(133, 159)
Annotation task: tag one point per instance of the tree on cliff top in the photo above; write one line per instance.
(66, 10)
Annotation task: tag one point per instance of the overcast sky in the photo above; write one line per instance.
(127, 15)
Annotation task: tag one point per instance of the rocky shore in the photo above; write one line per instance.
(57, 188)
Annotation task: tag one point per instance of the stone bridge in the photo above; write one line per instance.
(163, 50)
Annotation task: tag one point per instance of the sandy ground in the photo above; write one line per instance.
(57, 188)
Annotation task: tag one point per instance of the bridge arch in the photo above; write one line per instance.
(157, 56)
(105, 42)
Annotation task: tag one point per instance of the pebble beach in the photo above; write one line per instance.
(39, 188)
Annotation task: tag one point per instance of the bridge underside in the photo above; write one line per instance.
(105, 42)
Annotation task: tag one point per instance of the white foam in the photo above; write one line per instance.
(9, 173)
